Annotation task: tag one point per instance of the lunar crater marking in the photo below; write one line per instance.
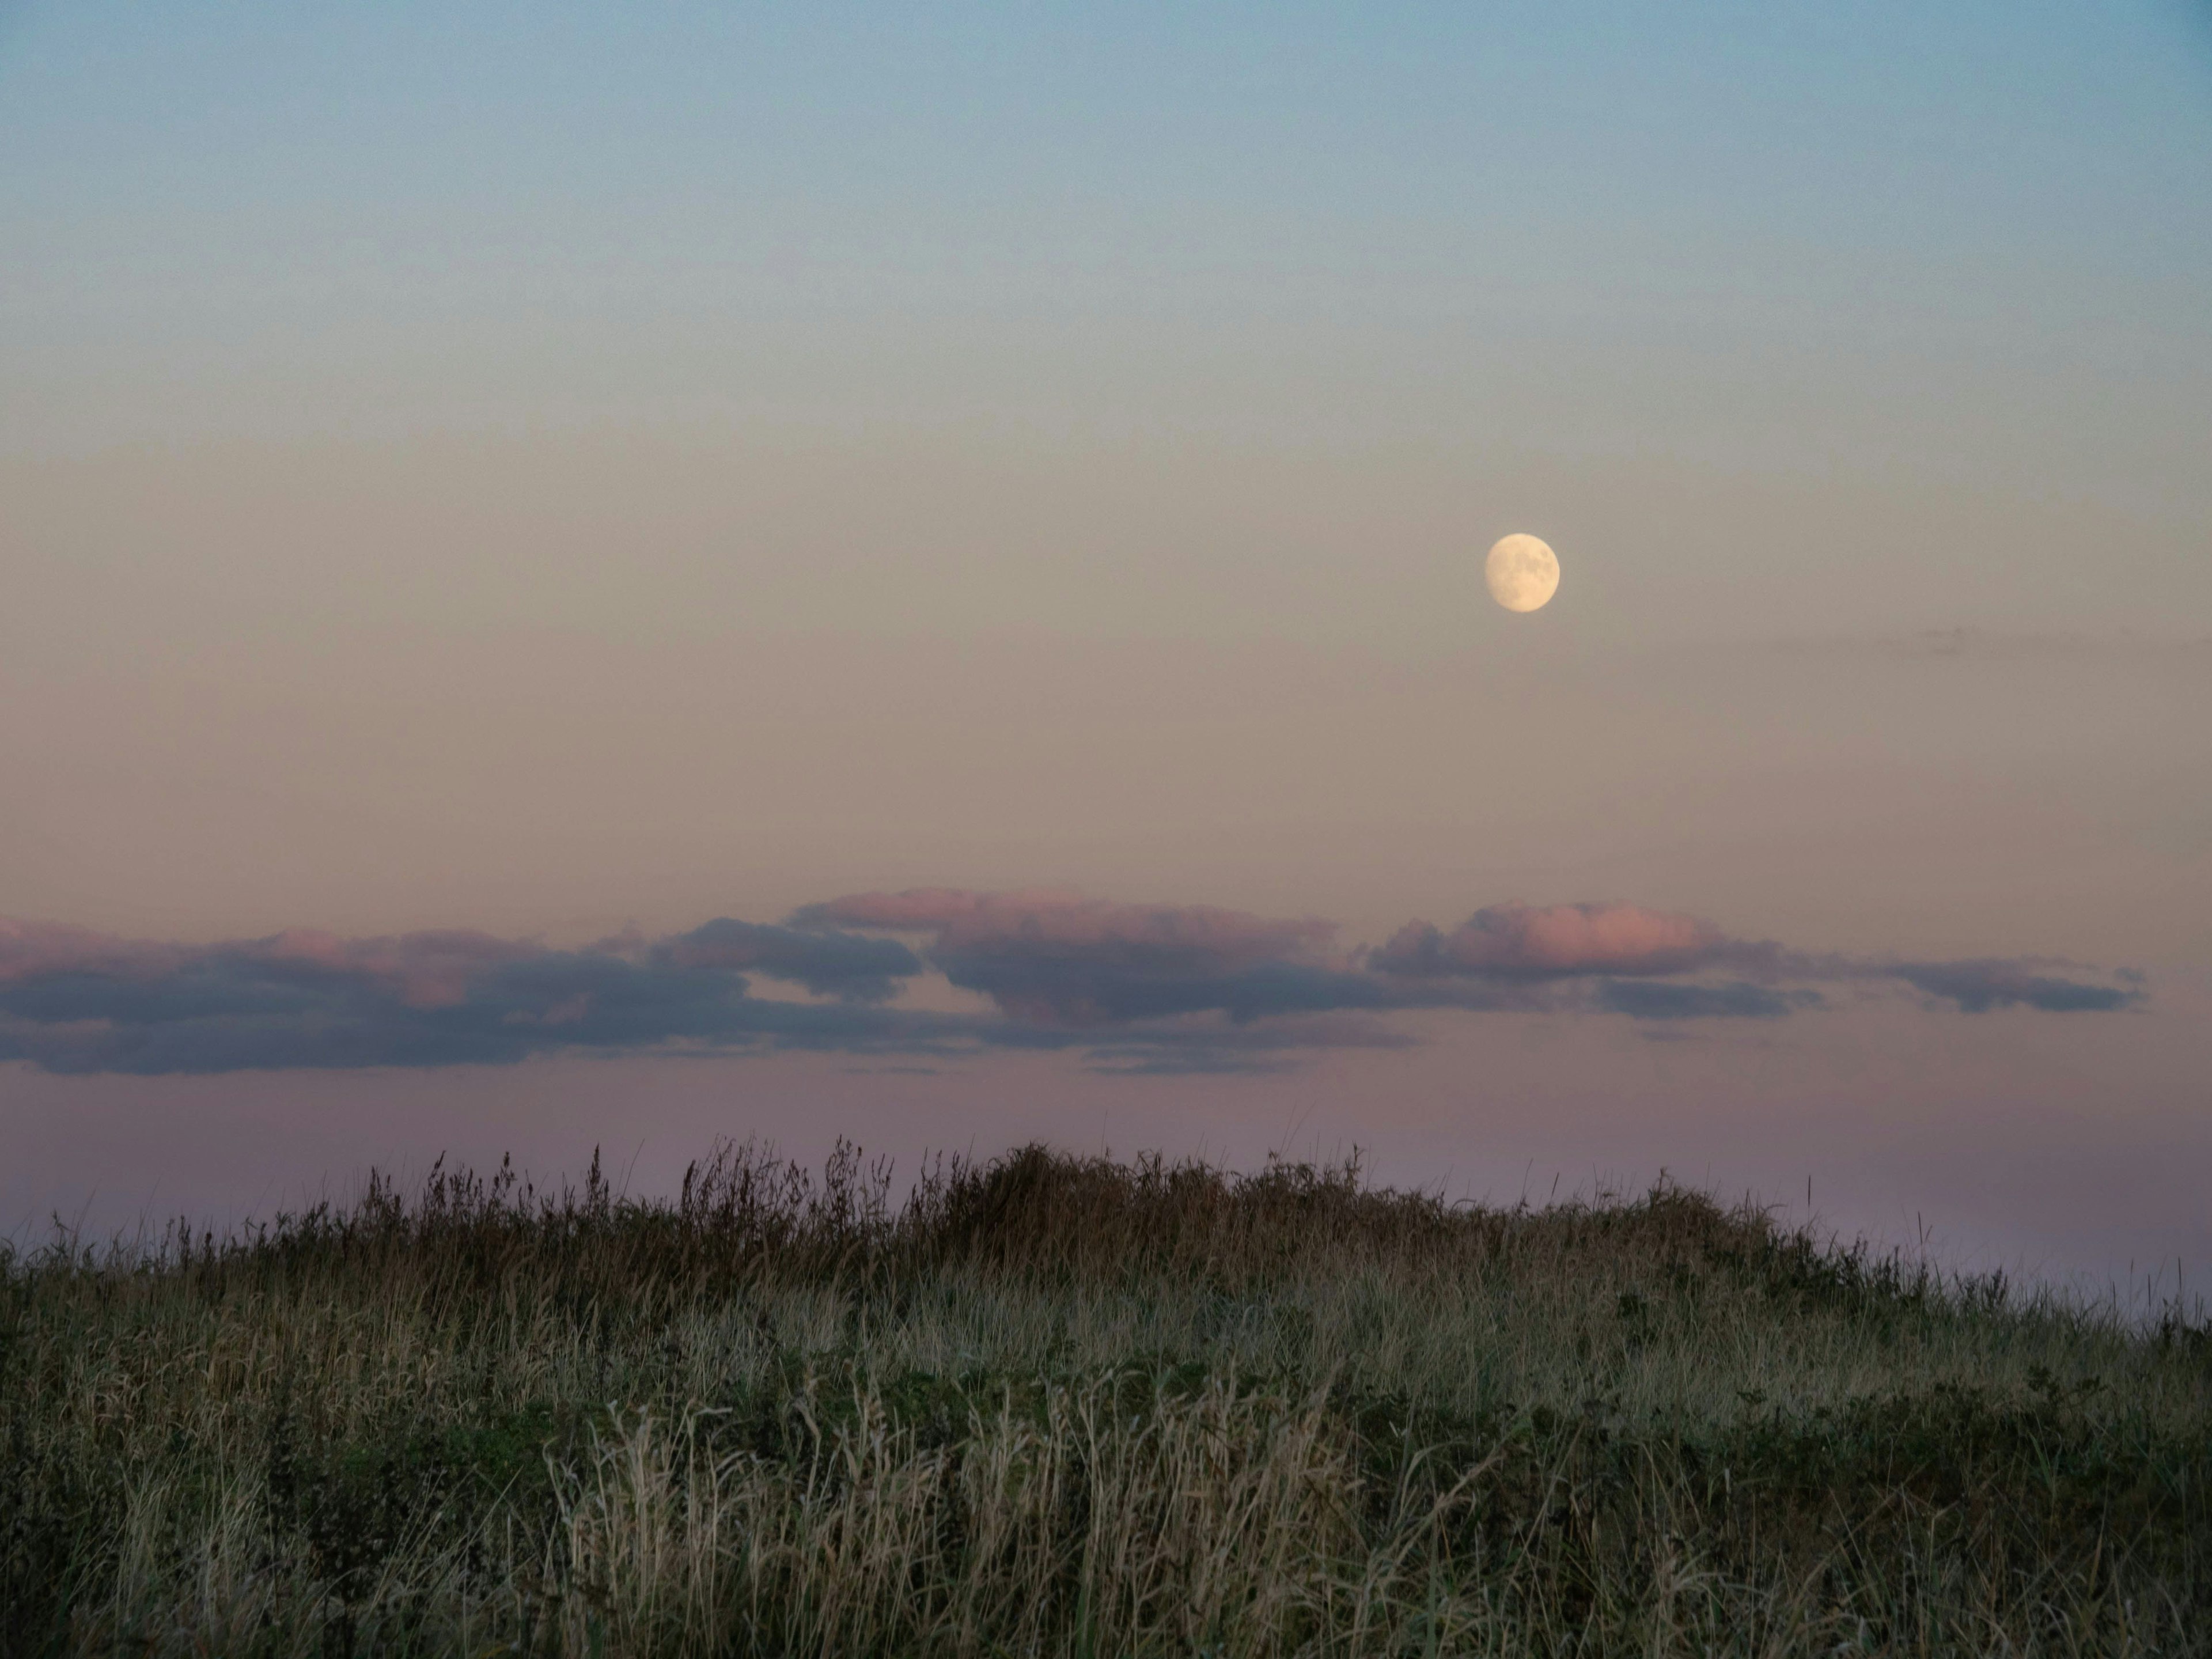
(1523, 572)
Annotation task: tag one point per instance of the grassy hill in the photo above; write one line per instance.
(1052, 1406)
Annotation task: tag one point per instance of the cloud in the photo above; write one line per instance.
(1660, 999)
(826, 963)
(31, 950)
(1637, 962)
(1133, 988)
(1520, 942)
(1057, 959)
(76, 1001)
(1185, 937)
(1976, 986)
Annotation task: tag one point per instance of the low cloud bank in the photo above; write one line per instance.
(1139, 988)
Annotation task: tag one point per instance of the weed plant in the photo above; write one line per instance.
(1052, 1406)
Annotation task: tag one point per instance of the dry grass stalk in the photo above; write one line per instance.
(1058, 1406)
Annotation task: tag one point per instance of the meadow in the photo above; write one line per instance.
(1050, 1405)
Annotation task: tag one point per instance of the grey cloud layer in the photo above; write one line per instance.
(1142, 988)
(1978, 987)
(825, 961)
(71, 1001)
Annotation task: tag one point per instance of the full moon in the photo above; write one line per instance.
(1522, 573)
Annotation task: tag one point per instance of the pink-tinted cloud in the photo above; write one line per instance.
(423, 970)
(33, 949)
(1555, 941)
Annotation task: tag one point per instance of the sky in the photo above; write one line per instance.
(589, 576)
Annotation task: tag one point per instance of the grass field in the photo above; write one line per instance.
(1052, 1406)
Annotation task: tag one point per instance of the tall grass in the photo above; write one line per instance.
(1051, 1405)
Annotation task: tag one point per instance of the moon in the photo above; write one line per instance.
(1522, 573)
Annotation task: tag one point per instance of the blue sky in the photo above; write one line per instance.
(1792, 231)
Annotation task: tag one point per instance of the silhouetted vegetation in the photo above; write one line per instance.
(1052, 1404)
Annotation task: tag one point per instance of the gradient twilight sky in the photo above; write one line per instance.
(548, 477)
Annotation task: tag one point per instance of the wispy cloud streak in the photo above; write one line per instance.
(1979, 985)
